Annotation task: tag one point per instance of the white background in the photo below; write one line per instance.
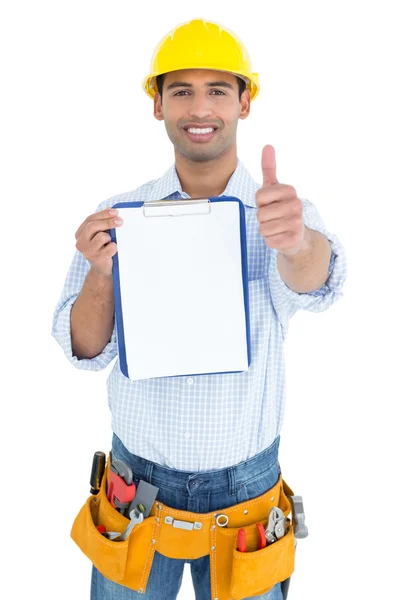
(76, 128)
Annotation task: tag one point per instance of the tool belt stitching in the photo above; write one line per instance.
(213, 559)
(150, 555)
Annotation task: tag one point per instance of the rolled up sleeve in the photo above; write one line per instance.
(285, 300)
(61, 326)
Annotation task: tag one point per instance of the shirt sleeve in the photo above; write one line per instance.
(285, 300)
(61, 327)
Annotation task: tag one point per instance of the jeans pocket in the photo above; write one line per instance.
(259, 484)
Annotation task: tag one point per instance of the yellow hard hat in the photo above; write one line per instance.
(200, 44)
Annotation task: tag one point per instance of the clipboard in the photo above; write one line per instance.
(181, 287)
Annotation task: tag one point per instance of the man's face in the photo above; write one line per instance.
(201, 99)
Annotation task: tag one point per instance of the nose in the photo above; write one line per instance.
(200, 107)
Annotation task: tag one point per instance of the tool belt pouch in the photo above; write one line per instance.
(234, 575)
(240, 575)
(127, 562)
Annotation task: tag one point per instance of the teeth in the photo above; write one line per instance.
(207, 130)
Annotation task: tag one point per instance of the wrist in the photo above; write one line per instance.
(99, 274)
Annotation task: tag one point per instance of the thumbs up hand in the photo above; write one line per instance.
(280, 211)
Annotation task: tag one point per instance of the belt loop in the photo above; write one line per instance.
(148, 471)
(232, 480)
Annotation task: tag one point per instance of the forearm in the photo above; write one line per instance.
(307, 270)
(92, 316)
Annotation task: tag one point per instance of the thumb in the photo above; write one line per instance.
(268, 166)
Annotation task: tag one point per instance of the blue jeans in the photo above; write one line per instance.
(200, 492)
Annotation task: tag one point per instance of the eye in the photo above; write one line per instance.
(217, 92)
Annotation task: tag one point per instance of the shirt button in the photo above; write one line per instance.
(187, 435)
(190, 380)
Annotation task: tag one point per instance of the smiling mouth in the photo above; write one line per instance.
(200, 134)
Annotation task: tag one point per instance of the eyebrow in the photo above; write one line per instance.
(176, 84)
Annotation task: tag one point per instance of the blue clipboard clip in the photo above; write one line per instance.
(176, 208)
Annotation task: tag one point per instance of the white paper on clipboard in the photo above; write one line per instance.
(182, 288)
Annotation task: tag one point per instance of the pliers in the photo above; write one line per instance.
(262, 540)
(276, 525)
(274, 531)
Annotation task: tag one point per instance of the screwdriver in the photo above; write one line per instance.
(98, 466)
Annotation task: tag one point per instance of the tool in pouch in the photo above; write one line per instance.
(277, 526)
(139, 508)
(121, 489)
(98, 466)
(136, 503)
(300, 528)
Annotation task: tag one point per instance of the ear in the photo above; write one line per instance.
(245, 105)
(158, 112)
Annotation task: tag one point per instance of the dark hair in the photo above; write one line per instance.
(241, 83)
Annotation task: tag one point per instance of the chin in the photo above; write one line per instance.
(201, 155)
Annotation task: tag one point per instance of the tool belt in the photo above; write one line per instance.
(188, 535)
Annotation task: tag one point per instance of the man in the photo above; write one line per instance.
(188, 435)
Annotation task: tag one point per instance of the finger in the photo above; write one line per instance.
(101, 215)
(100, 239)
(277, 206)
(275, 227)
(88, 231)
(268, 165)
(109, 250)
(107, 214)
(275, 241)
(90, 247)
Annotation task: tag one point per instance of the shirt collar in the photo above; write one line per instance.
(240, 184)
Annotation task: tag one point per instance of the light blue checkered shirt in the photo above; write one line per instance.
(208, 422)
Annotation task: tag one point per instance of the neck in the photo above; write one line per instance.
(205, 179)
